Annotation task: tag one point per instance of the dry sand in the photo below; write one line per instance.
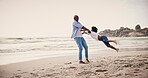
(104, 65)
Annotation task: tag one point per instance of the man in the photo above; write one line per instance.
(77, 35)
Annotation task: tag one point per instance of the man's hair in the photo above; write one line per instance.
(94, 29)
(75, 15)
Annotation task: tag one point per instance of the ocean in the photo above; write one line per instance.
(13, 50)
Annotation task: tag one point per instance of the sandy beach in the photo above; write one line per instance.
(47, 38)
(132, 64)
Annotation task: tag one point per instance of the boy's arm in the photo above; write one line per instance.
(83, 31)
(86, 29)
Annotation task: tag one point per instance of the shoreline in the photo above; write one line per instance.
(7, 58)
(10, 58)
(57, 66)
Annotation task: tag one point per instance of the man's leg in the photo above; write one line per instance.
(86, 49)
(79, 43)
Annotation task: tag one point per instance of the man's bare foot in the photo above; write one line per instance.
(87, 60)
(81, 62)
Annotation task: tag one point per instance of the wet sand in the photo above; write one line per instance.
(132, 64)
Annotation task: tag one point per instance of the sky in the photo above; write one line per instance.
(54, 18)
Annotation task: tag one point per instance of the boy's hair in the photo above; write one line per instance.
(94, 29)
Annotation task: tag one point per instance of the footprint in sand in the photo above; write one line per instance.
(72, 67)
(143, 60)
(127, 65)
(42, 69)
(141, 64)
(16, 76)
(19, 70)
(34, 74)
(146, 62)
(48, 75)
(69, 63)
(23, 72)
(86, 72)
(98, 66)
(100, 70)
(136, 70)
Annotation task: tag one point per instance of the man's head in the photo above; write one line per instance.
(94, 29)
(76, 18)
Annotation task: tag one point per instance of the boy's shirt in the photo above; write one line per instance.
(94, 35)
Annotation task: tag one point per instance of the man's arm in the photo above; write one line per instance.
(81, 26)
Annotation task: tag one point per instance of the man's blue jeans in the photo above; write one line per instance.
(81, 43)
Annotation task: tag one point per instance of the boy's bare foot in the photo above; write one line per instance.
(117, 49)
(115, 42)
(81, 62)
(87, 60)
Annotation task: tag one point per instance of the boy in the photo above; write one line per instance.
(104, 39)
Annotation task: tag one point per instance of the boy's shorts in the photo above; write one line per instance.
(105, 40)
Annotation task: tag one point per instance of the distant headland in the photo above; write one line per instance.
(126, 32)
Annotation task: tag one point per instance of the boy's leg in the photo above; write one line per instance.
(106, 42)
(79, 43)
(112, 41)
(113, 48)
(86, 49)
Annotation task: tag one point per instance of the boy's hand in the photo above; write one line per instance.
(89, 31)
(86, 29)
(82, 30)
